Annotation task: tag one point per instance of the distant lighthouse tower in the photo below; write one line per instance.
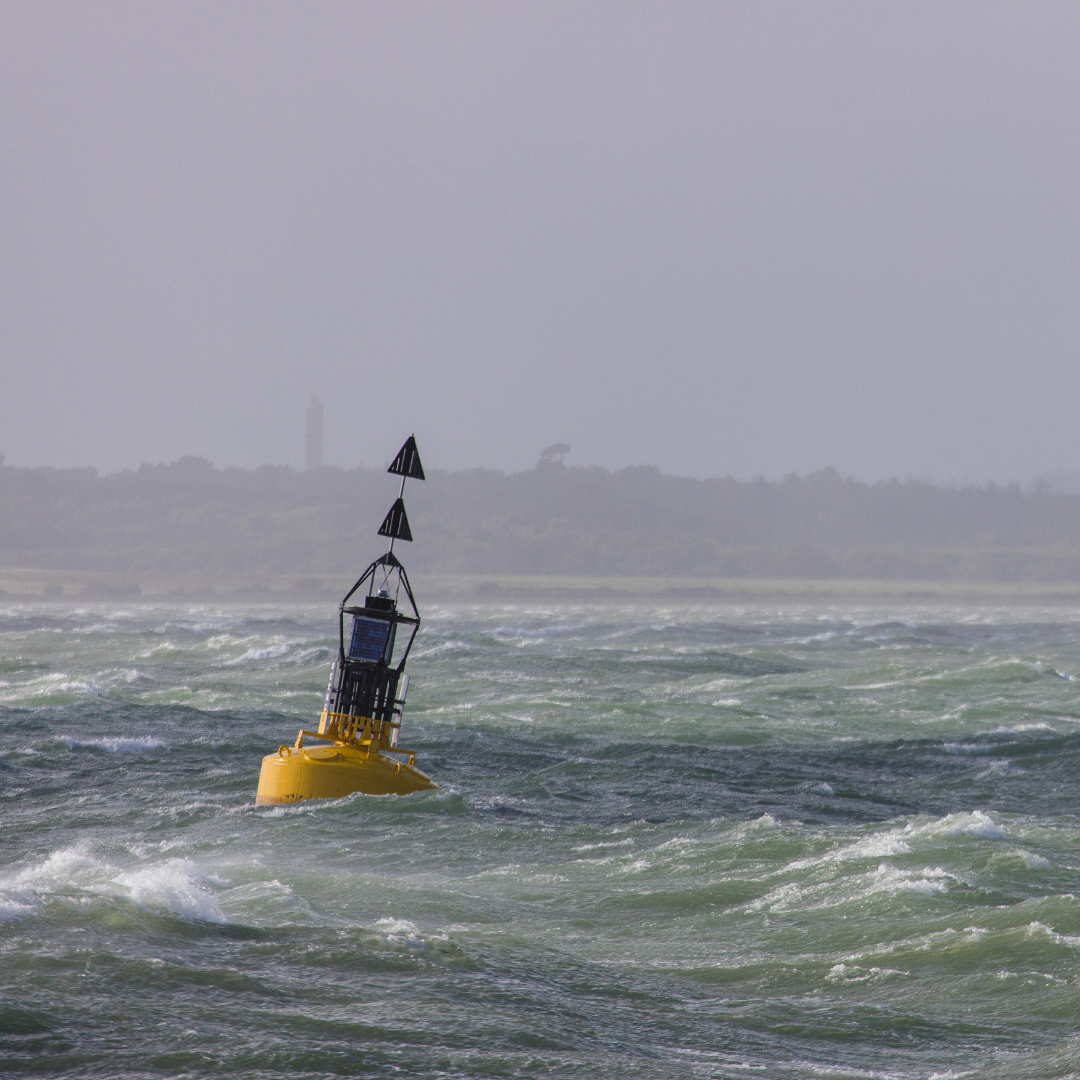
(314, 434)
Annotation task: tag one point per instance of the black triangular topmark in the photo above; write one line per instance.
(396, 523)
(407, 463)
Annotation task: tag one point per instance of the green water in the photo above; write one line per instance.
(667, 842)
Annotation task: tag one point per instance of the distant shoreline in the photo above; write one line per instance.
(98, 586)
(554, 531)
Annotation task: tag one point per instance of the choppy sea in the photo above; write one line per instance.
(668, 842)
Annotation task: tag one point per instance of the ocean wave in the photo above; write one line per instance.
(976, 824)
(855, 894)
(1038, 929)
(10, 910)
(848, 974)
(114, 745)
(1031, 860)
(400, 928)
(63, 872)
(825, 875)
(50, 686)
(271, 651)
(176, 886)
(1019, 729)
(885, 880)
(1000, 941)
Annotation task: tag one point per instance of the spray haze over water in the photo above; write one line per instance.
(668, 841)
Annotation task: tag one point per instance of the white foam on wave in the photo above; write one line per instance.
(445, 646)
(603, 844)
(1031, 860)
(10, 910)
(46, 685)
(719, 684)
(842, 973)
(62, 872)
(887, 879)
(220, 641)
(116, 745)
(61, 867)
(176, 886)
(874, 847)
(880, 846)
(828, 635)
(1038, 929)
(968, 748)
(120, 622)
(263, 890)
(948, 938)
(399, 930)
(927, 882)
(978, 824)
(278, 647)
(166, 648)
(108, 677)
(874, 685)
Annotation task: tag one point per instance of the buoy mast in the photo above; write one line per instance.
(363, 682)
(366, 693)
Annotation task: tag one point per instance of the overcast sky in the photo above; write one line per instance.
(746, 238)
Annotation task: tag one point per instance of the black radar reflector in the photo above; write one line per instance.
(407, 462)
(396, 523)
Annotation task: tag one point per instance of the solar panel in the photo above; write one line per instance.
(368, 638)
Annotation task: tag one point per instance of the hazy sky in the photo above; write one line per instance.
(718, 237)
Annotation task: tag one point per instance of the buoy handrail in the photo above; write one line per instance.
(347, 729)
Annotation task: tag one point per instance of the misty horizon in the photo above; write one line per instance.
(1061, 480)
(189, 523)
(721, 238)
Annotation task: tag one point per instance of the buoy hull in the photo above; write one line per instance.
(330, 772)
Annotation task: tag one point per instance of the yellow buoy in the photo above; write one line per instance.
(366, 764)
(365, 698)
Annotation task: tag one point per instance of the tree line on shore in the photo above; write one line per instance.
(192, 517)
